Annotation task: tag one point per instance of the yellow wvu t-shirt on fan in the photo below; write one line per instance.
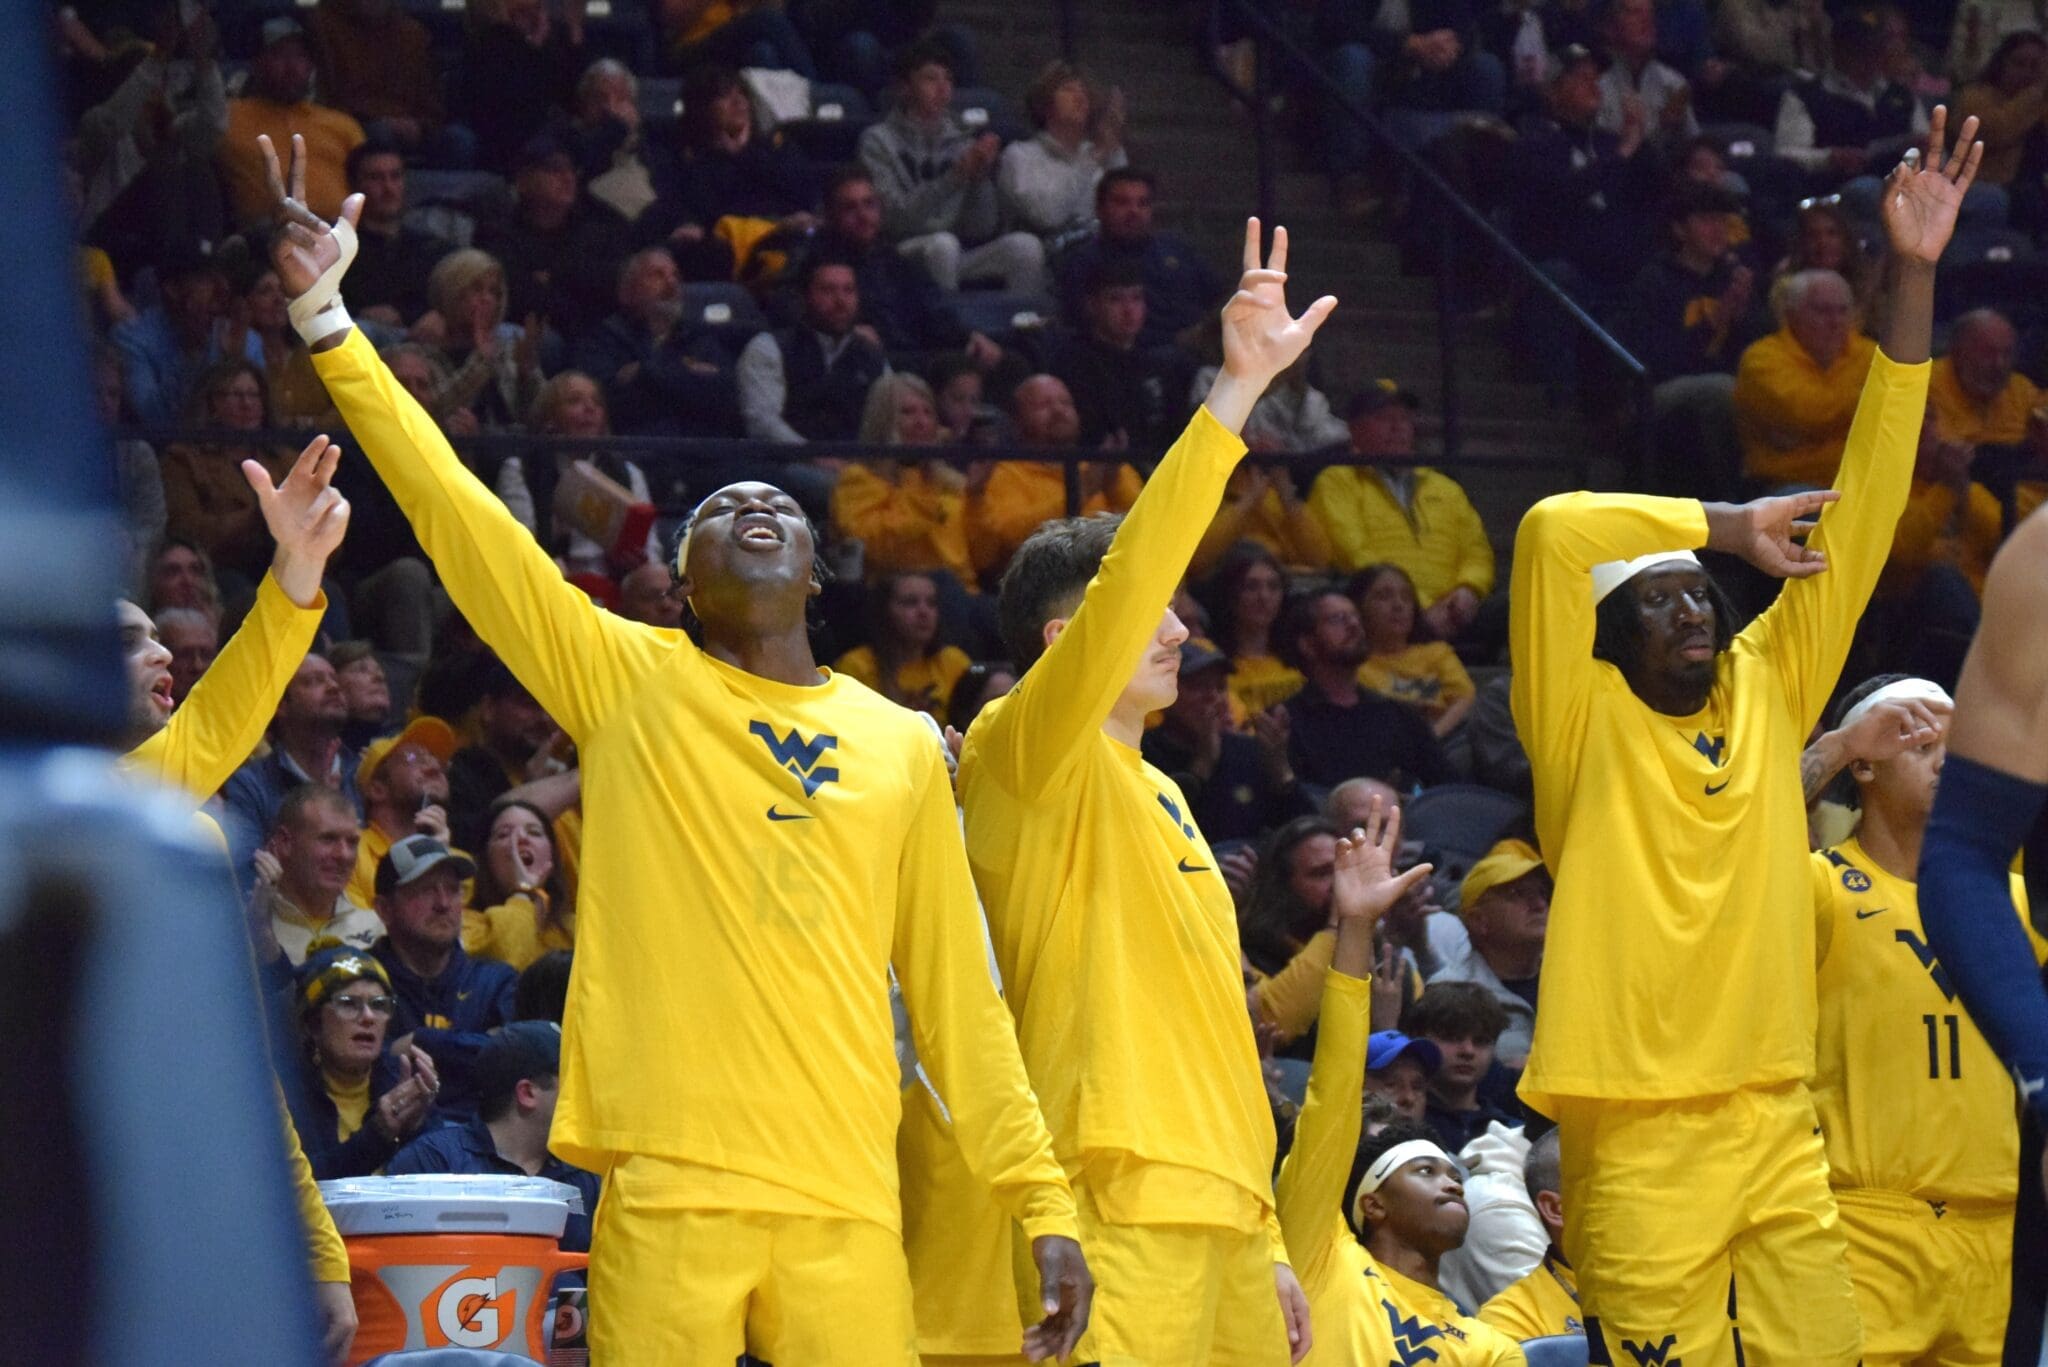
(1678, 845)
(757, 856)
(1920, 1118)
(1117, 942)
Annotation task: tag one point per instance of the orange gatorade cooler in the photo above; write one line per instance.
(439, 1261)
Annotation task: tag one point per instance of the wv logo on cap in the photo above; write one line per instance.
(799, 756)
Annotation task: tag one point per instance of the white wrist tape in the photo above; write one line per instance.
(318, 313)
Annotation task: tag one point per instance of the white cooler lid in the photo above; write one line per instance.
(451, 1203)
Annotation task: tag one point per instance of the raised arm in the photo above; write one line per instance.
(1993, 788)
(1310, 1192)
(968, 1044)
(1067, 694)
(574, 656)
(224, 717)
(1807, 631)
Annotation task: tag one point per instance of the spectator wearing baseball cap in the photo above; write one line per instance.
(446, 999)
(1505, 903)
(355, 1103)
(1382, 507)
(403, 782)
(517, 1078)
(1236, 785)
(279, 102)
(1399, 1068)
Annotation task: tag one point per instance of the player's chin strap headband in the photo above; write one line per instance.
(318, 314)
(1610, 575)
(1389, 1163)
(1898, 690)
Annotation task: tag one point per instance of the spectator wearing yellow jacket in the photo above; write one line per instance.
(1410, 515)
(1007, 501)
(1796, 390)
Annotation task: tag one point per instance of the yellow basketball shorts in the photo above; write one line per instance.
(679, 1287)
(1170, 1295)
(1703, 1231)
(1933, 1280)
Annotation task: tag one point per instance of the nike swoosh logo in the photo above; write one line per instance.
(774, 815)
(462, 996)
(1186, 867)
(1713, 788)
(1866, 915)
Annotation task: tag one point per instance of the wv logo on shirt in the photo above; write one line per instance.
(1411, 1337)
(1173, 814)
(1659, 1352)
(800, 757)
(1710, 748)
(1925, 955)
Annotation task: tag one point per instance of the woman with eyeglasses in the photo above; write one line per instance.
(355, 1105)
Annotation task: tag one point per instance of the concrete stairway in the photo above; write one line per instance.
(1186, 129)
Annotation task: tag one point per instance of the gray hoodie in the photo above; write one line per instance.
(912, 167)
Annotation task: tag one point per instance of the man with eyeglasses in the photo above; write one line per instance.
(447, 1001)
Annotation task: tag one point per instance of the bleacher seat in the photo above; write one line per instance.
(839, 114)
(661, 99)
(984, 109)
(1456, 823)
(995, 314)
(1556, 1350)
(480, 194)
(724, 306)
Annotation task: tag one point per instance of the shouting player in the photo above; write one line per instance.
(1676, 1024)
(1116, 935)
(764, 841)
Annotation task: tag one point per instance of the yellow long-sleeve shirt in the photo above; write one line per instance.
(1258, 682)
(905, 522)
(1932, 531)
(1021, 494)
(510, 932)
(2001, 422)
(956, 1240)
(1290, 998)
(1295, 535)
(1678, 843)
(1115, 934)
(1427, 675)
(206, 740)
(757, 855)
(1361, 1312)
(1910, 1097)
(1792, 416)
(1438, 538)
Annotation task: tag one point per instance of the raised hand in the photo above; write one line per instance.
(1066, 1291)
(1366, 885)
(1260, 337)
(1893, 727)
(1925, 191)
(305, 245)
(1763, 532)
(306, 515)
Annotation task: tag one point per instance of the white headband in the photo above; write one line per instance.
(1390, 1162)
(1610, 575)
(1898, 690)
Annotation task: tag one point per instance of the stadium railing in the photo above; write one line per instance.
(1275, 48)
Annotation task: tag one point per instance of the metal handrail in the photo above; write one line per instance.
(1270, 39)
(673, 455)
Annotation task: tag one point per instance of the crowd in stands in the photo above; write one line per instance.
(806, 224)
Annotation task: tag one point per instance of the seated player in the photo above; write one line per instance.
(752, 1203)
(1366, 1222)
(1546, 1301)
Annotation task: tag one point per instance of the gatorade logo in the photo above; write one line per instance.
(469, 1312)
(459, 1305)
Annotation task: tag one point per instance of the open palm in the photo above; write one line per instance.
(1924, 193)
(1365, 885)
(1260, 337)
(305, 245)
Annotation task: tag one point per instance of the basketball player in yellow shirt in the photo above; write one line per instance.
(1114, 932)
(1368, 1223)
(1675, 1026)
(1545, 1302)
(766, 841)
(1920, 1118)
(199, 744)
